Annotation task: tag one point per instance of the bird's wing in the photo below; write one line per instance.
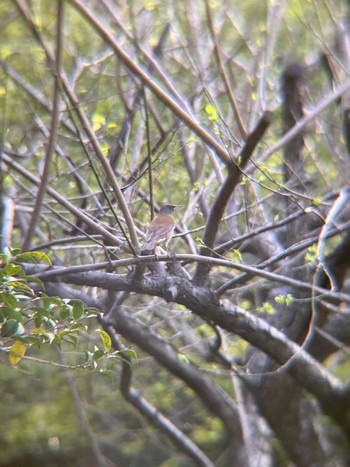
(158, 230)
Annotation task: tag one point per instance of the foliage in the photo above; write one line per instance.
(31, 318)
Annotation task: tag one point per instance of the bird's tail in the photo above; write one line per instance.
(147, 248)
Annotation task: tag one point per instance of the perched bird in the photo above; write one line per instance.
(160, 229)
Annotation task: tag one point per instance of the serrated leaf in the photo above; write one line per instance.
(105, 339)
(17, 350)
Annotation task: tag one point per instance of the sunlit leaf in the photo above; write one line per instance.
(105, 339)
(17, 350)
(34, 256)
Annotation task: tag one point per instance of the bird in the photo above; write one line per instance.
(160, 229)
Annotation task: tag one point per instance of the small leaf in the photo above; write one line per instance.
(280, 299)
(98, 354)
(78, 308)
(14, 251)
(183, 358)
(129, 353)
(108, 373)
(289, 299)
(12, 328)
(105, 339)
(17, 350)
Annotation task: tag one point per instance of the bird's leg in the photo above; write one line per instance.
(155, 253)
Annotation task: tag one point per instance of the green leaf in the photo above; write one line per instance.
(77, 327)
(17, 350)
(34, 340)
(183, 358)
(33, 257)
(12, 269)
(211, 112)
(267, 308)
(289, 299)
(51, 301)
(71, 339)
(19, 285)
(78, 308)
(9, 300)
(280, 299)
(35, 280)
(108, 373)
(98, 354)
(14, 251)
(128, 353)
(105, 339)
(65, 312)
(12, 328)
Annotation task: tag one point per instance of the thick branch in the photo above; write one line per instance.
(220, 202)
(307, 371)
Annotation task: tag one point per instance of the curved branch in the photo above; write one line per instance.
(154, 416)
(166, 355)
(306, 370)
(53, 273)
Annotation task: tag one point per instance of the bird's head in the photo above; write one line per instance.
(168, 208)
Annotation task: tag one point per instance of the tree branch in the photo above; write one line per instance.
(220, 202)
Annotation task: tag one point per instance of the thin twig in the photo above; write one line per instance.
(39, 199)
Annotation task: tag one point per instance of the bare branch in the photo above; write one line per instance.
(221, 199)
(53, 131)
